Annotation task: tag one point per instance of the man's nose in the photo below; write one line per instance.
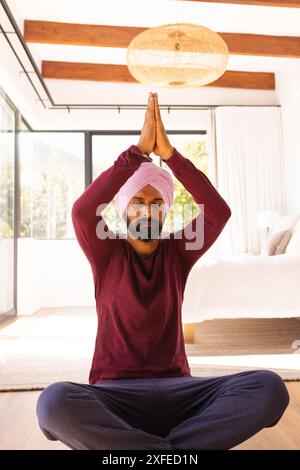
(148, 210)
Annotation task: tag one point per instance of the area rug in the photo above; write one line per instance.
(57, 344)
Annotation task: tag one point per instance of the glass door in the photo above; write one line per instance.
(7, 238)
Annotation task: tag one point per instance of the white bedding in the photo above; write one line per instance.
(242, 286)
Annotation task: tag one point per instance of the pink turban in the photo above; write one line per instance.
(147, 173)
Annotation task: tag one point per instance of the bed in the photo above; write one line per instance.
(243, 286)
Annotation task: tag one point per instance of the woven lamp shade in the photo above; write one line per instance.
(177, 55)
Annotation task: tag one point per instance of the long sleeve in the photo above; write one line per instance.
(100, 192)
(210, 224)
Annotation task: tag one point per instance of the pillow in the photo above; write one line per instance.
(284, 242)
(285, 222)
(277, 241)
(293, 247)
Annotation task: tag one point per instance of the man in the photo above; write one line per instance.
(141, 394)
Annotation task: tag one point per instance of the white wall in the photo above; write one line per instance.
(52, 273)
(6, 274)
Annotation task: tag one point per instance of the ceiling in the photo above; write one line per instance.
(280, 27)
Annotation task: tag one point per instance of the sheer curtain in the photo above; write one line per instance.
(249, 172)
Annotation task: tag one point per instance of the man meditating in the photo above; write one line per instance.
(141, 394)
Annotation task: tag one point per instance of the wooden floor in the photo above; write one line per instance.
(19, 428)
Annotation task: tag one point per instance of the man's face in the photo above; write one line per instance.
(146, 214)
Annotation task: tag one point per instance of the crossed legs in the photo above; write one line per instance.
(162, 413)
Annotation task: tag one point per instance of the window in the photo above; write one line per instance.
(51, 179)
(193, 147)
(7, 159)
(107, 148)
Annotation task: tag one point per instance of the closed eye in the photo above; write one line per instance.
(142, 201)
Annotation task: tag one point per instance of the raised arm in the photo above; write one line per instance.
(204, 229)
(101, 191)
(87, 209)
(196, 237)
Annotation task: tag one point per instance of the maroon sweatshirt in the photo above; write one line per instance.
(139, 298)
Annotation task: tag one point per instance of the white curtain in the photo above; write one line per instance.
(249, 159)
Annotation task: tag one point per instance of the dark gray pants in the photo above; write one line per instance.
(162, 413)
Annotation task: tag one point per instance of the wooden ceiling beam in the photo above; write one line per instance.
(262, 45)
(50, 32)
(266, 3)
(53, 32)
(121, 74)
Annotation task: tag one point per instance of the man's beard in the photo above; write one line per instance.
(139, 229)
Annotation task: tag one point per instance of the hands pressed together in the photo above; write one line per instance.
(153, 136)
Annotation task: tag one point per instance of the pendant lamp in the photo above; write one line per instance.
(177, 55)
